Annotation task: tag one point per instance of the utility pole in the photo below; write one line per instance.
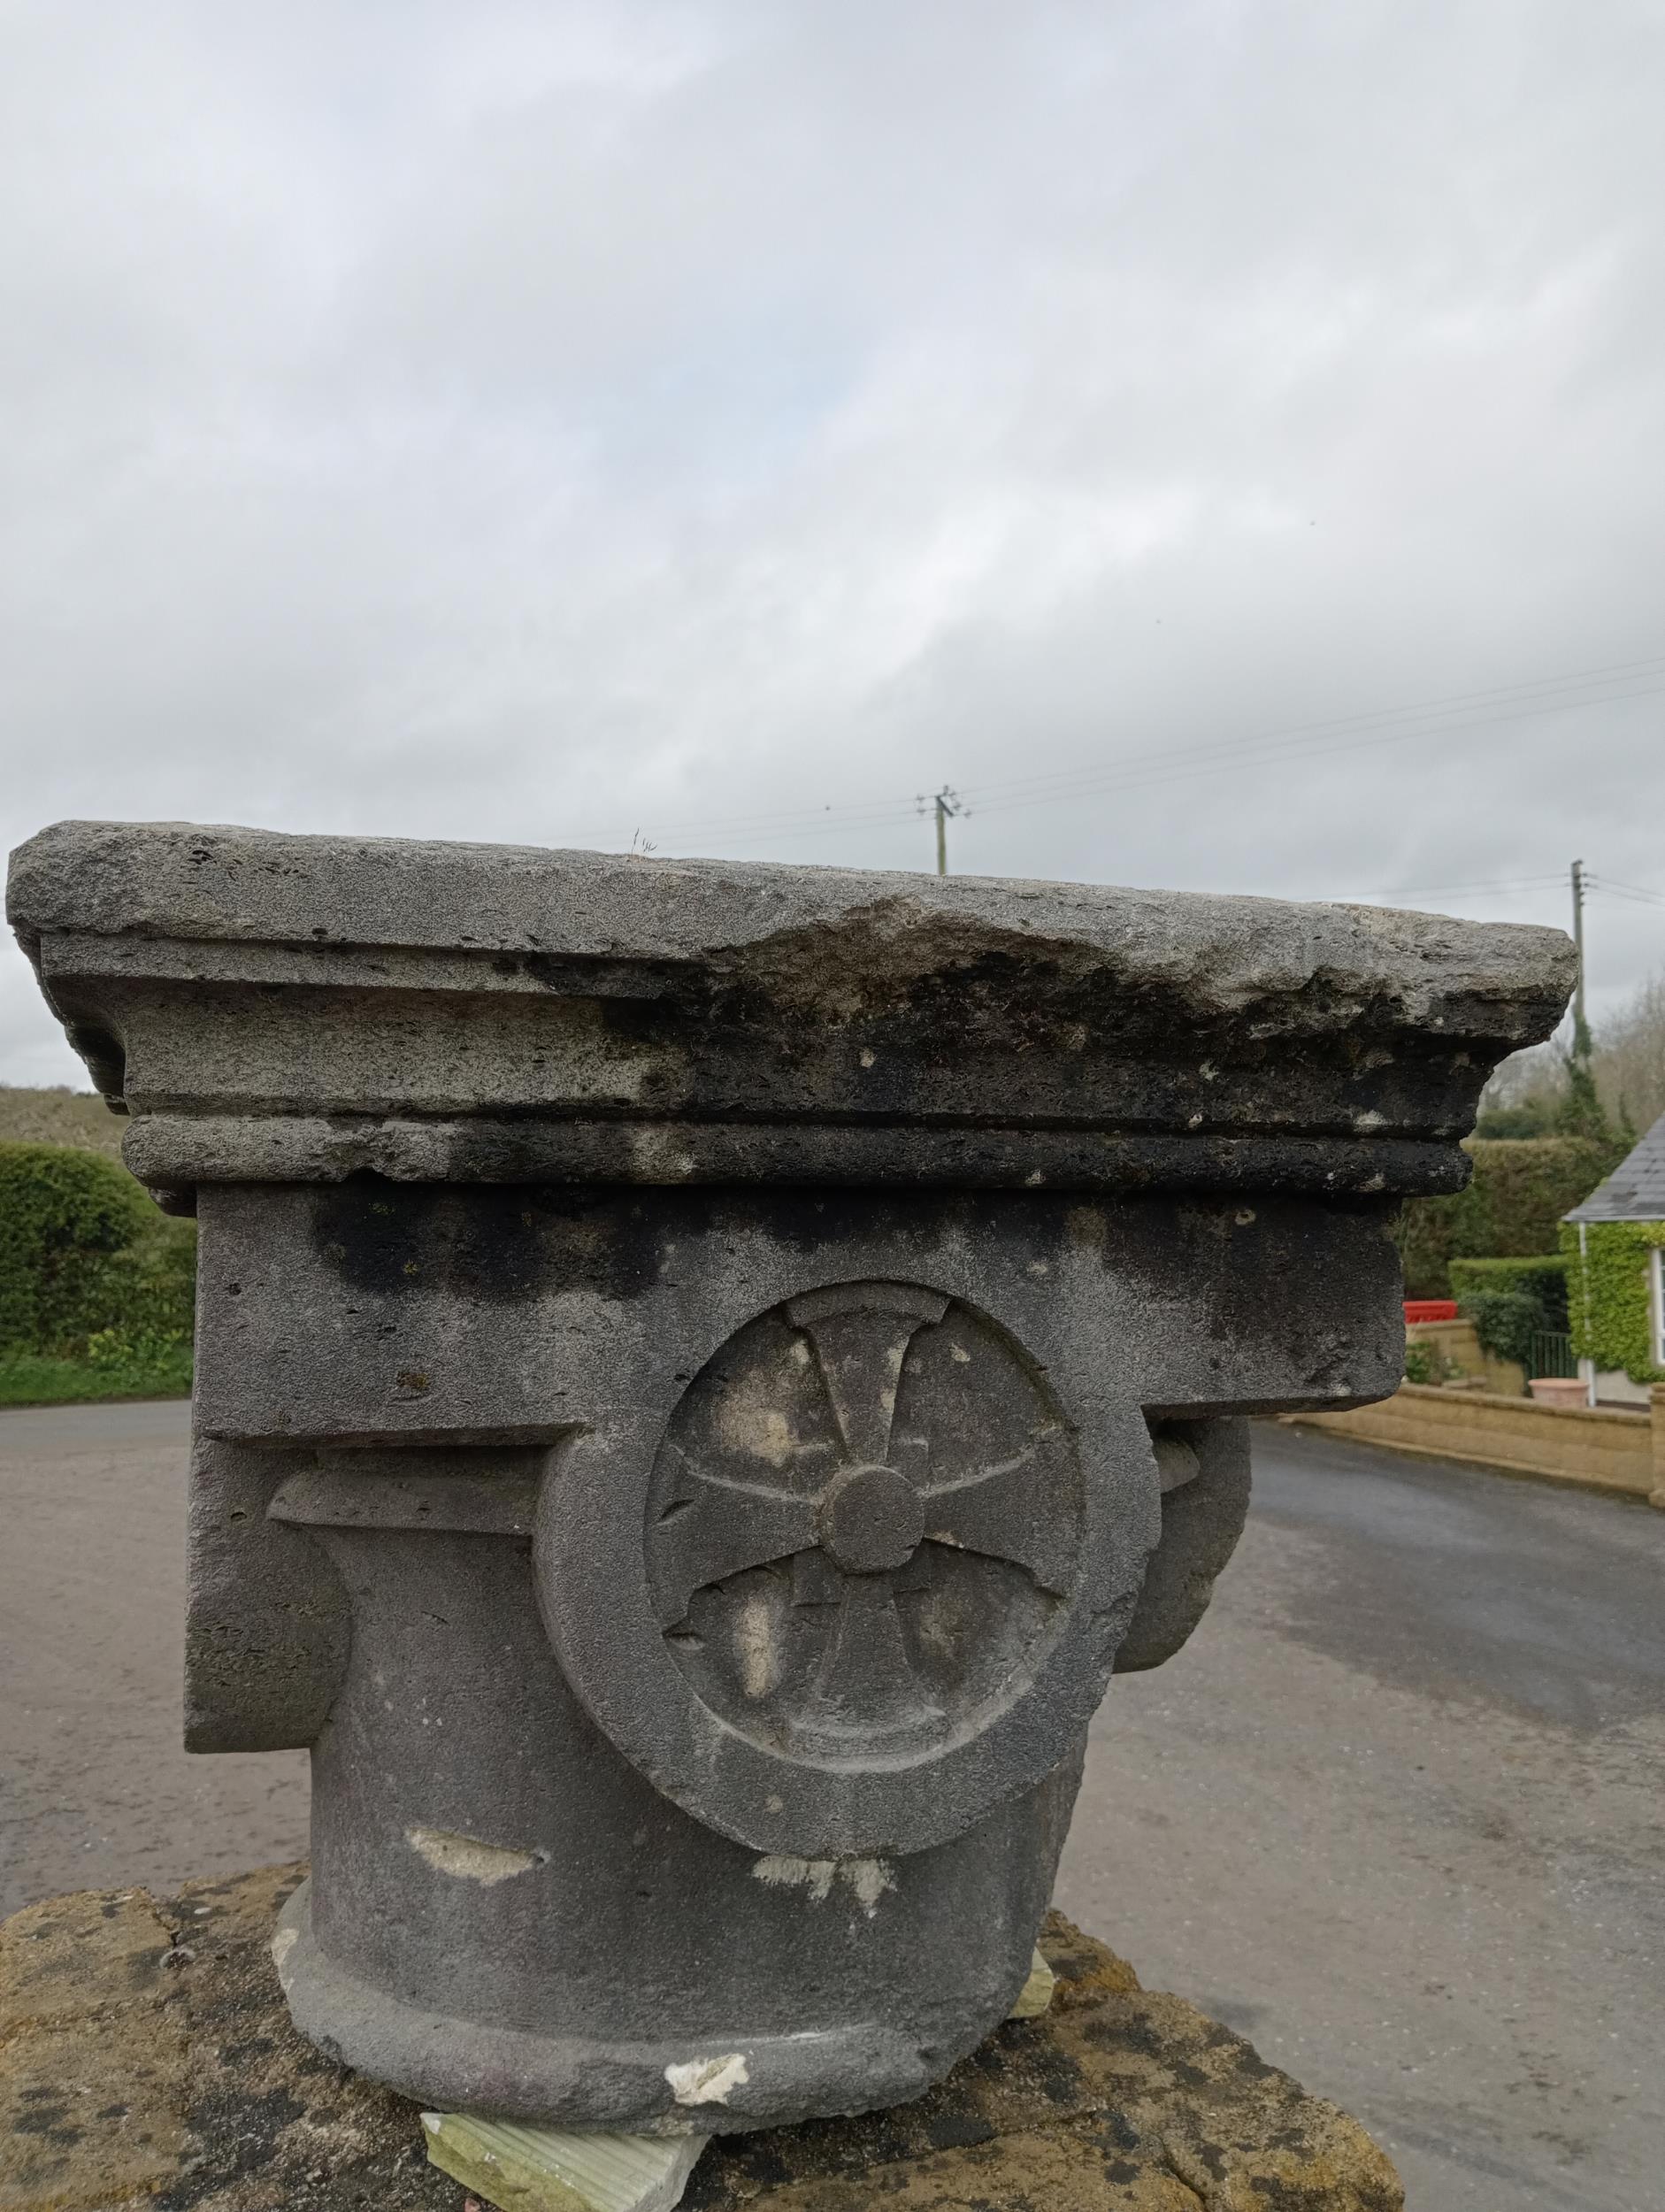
(1580, 1030)
(944, 802)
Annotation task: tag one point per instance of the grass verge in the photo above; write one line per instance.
(30, 1378)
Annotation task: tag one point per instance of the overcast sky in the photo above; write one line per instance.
(557, 421)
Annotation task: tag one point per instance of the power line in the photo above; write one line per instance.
(1523, 694)
(1627, 891)
(1454, 890)
(1270, 753)
(1514, 702)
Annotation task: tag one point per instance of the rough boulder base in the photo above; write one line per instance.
(147, 2060)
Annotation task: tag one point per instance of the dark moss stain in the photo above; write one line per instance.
(514, 1244)
(250, 2128)
(49, 2124)
(1126, 2031)
(505, 1243)
(244, 2054)
(1208, 2156)
(923, 1005)
(957, 2130)
(1250, 2066)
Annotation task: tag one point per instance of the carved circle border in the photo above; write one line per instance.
(593, 1586)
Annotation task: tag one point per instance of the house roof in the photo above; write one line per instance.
(1635, 1191)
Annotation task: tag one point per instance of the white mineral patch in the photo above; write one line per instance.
(467, 1857)
(783, 1872)
(961, 1356)
(870, 1878)
(282, 1944)
(707, 2080)
(747, 1422)
(757, 1647)
(867, 1880)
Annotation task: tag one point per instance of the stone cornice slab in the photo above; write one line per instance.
(277, 1006)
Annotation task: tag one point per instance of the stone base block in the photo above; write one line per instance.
(147, 2059)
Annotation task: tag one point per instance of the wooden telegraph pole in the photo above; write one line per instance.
(945, 802)
(1580, 1031)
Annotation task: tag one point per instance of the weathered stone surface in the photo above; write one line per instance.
(668, 1021)
(1204, 1504)
(1115, 2098)
(702, 1373)
(92, 2053)
(74, 1955)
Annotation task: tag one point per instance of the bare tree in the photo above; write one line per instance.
(1531, 1094)
(1630, 1057)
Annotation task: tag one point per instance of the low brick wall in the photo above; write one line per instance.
(1602, 1450)
(1458, 1342)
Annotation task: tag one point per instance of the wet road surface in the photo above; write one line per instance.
(1395, 1814)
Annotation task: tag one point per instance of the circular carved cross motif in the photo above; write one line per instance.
(870, 1519)
(863, 1525)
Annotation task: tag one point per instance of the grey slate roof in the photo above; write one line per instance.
(1635, 1191)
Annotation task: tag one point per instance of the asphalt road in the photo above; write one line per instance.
(1394, 1813)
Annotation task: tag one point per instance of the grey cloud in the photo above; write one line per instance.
(549, 423)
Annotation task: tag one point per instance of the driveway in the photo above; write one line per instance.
(1394, 1813)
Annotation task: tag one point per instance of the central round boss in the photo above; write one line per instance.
(869, 1519)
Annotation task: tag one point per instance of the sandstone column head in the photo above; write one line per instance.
(704, 1371)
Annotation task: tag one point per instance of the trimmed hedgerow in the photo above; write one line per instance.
(1540, 1277)
(1511, 1300)
(1505, 1323)
(1610, 1295)
(1511, 1210)
(85, 1258)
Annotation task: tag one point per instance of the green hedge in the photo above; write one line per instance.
(1542, 1278)
(1511, 1300)
(1526, 1270)
(1511, 1210)
(89, 1268)
(1609, 1294)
